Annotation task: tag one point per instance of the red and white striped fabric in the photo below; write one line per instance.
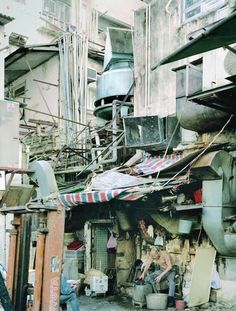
(73, 199)
(152, 165)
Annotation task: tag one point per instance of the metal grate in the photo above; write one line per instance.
(100, 244)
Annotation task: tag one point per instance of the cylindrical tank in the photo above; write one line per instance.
(116, 82)
(199, 118)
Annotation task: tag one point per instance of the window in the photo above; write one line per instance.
(103, 22)
(17, 92)
(91, 95)
(49, 6)
(59, 9)
(195, 8)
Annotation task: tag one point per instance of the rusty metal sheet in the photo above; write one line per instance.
(201, 277)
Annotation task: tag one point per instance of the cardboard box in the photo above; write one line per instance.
(99, 284)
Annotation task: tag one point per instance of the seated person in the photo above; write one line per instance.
(68, 294)
(164, 270)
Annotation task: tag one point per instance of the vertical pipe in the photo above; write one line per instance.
(149, 60)
(4, 240)
(2, 75)
(146, 61)
(11, 261)
(39, 270)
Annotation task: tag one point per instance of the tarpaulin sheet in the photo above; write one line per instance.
(115, 180)
(152, 165)
(73, 199)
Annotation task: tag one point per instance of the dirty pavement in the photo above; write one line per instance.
(121, 303)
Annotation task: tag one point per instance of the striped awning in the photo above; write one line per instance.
(86, 197)
(152, 165)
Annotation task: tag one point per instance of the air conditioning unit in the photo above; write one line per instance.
(230, 62)
(151, 132)
(188, 80)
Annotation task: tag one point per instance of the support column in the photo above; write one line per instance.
(12, 256)
(53, 260)
(39, 270)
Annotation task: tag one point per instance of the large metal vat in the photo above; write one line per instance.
(115, 83)
(199, 118)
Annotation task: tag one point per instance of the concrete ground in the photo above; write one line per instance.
(122, 303)
(109, 303)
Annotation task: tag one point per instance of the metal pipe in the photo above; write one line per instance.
(4, 240)
(39, 270)
(118, 139)
(114, 127)
(54, 116)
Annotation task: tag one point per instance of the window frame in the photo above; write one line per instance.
(61, 12)
(206, 7)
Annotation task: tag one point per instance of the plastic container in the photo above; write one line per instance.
(179, 304)
(185, 226)
(78, 254)
(197, 196)
(156, 301)
(88, 291)
(99, 284)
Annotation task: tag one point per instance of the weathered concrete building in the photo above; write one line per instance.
(181, 196)
(165, 26)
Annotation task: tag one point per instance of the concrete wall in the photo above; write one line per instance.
(121, 10)
(38, 93)
(227, 272)
(168, 33)
(26, 20)
(29, 21)
(5, 224)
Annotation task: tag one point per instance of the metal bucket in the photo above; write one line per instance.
(185, 226)
(140, 291)
(156, 301)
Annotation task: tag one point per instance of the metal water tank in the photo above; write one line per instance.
(115, 83)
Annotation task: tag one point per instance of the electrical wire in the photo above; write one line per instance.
(202, 152)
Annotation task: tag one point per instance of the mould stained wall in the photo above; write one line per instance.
(168, 33)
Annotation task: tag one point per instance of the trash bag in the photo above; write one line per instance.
(111, 243)
(215, 279)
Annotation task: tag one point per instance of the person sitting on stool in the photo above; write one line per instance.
(163, 270)
(68, 294)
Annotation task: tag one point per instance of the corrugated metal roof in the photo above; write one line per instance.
(17, 64)
(4, 19)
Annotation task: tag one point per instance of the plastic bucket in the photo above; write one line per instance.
(185, 226)
(156, 301)
(179, 304)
